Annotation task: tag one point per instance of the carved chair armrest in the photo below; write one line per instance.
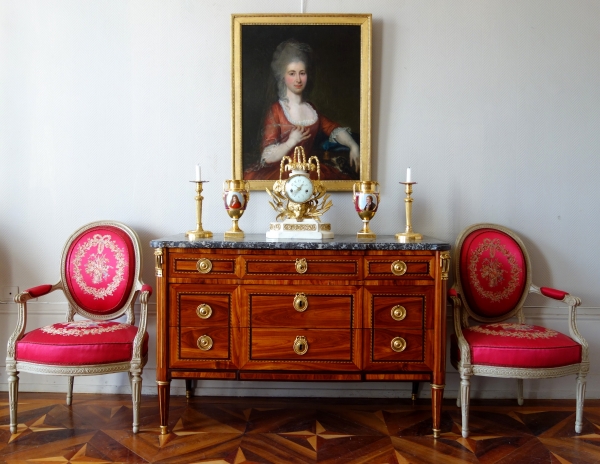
(572, 302)
(21, 299)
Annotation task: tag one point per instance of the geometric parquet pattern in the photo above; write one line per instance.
(97, 429)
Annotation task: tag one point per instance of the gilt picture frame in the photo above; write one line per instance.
(327, 111)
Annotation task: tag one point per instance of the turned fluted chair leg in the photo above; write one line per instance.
(136, 396)
(70, 380)
(13, 399)
(580, 400)
(465, 387)
(520, 392)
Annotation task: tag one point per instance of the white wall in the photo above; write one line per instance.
(106, 106)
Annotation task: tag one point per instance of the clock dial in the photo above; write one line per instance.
(298, 188)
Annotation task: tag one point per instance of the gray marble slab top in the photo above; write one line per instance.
(339, 242)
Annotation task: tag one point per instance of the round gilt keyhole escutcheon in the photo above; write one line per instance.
(398, 344)
(399, 268)
(205, 343)
(300, 345)
(300, 302)
(301, 265)
(398, 312)
(204, 311)
(204, 266)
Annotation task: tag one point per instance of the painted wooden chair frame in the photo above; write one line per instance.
(136, 343)
(464, 313)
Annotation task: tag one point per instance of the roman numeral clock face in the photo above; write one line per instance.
(298, 188)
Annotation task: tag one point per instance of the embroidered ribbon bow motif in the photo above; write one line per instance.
(102, 241)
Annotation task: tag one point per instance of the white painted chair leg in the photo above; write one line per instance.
(465, 391)
(520, 392)
(13, 399)
(580, 400)
(458, 400)
(136, 393)
(70, 390)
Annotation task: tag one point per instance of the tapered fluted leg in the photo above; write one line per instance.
(164, 388)
(136, 396)
(520, 392)
(70, 390)
(580, 400)
(465, 391)
(13, 399)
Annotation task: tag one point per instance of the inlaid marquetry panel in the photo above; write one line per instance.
(281, 266)
(302, 306)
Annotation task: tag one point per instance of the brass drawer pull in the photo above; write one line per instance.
(204, 311)
(300, 345)
(205, 343)
(300, 302)
(204, 266)
(398, 344)
(301, 266)
(399, 268)
(398, 312)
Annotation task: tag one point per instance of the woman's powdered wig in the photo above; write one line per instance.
(288, 52)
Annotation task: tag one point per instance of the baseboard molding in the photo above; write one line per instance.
(481, 387)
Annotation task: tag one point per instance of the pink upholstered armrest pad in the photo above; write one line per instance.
(40, 290)
(452, 292)
(553, 293)
(147, 288)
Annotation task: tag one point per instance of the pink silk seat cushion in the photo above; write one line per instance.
(80, 343)
(518, 345)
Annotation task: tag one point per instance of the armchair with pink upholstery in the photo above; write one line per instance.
(100, 277)
(493, 279)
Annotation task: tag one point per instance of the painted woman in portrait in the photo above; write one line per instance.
(291, 120)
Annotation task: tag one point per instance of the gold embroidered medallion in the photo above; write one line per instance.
(97, 266)
(492, 272)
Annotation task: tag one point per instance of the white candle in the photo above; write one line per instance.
(198, 173)
(408, 177)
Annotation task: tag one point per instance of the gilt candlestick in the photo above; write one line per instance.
(408, 235)
(199, 232)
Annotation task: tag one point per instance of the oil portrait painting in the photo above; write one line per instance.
(301, 80)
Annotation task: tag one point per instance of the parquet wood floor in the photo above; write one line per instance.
(97, 429)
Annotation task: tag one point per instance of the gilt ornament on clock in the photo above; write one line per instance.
(299, 201)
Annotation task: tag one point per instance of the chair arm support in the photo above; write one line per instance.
(21, 299)
(460, 321)
(572, 302)
(145, 293)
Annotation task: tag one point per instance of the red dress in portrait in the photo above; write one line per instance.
(277, 128)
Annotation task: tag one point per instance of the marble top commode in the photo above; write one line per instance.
(340, 242)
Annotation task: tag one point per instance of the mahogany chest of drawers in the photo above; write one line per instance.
(333, 310)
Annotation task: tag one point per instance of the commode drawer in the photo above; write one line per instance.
(301, 266)
(201, 305)
(193, 345)
(204, 264)
(400, 267)
(301, 308)
(398, 311)
(301, 345)
(397, 345)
